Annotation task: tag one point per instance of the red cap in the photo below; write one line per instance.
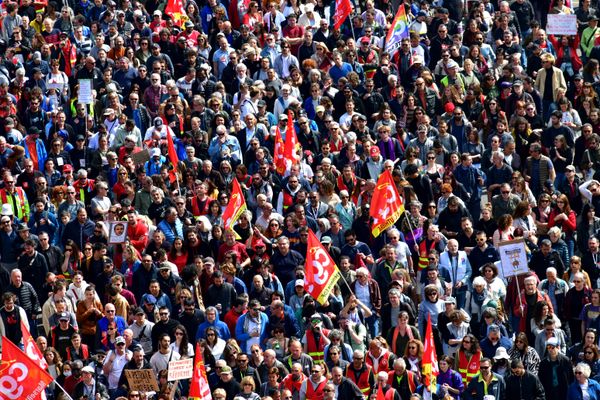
(68, 168)
(374, 151)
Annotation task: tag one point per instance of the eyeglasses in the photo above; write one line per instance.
(163, 314)
(120, 344)
(484, 368)
(327, 390)
(578, 373)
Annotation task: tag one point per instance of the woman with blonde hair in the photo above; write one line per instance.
(413, 356)
(575, 267)
(248, 389)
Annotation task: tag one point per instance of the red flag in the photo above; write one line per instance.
(199, 388)
(343, 8)
(31, 348)
(386, 204)
(176, 10)
(292, 144)
(236, 205)
(321, 272)
(22, 377)
(380, 395)
(429, 361)
(172, 155)
(278, 153)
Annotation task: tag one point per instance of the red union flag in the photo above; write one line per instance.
(291, 143)
(278, 153)
(21, 377)
(172, 155)
(430, 364)
(386, 204)
(236, 205)
(31, 349)
(343, 8)
(321, 273)
(175, 9)
(199, 388)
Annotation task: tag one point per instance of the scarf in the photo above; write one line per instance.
(478, 298)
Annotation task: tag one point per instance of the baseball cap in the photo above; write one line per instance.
(119, 339)
(552, 342)
(63, 316)
(299, 282)
(374, 151)
(158, 122)
(326, 239)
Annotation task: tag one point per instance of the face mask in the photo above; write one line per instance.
(67, 373)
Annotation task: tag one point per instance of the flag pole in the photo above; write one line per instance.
(63, 389)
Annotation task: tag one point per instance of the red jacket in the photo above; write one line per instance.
(517, 307)
(568, 226)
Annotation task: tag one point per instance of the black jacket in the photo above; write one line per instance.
(527, 387)
(564, 375)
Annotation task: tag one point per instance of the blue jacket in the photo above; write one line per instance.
(489, 350)
(220, 326)
(575, 392)
(171, 234)
(243, 336)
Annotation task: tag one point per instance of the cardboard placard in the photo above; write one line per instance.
(513, 257)
(140, 157)
(143, 380)
(85, 95)
(117, 232)
(180, 369)
(561, 24)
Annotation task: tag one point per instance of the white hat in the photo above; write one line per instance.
(155, 153)
(501, 354)
(7, 210)
(417, 59)
(88, 369)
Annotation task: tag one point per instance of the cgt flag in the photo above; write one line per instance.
(176, 10)
(22, 378)
(429, 361)
(236, 205)
(397, 32)
(321, 272)
(386, 204)
(343, 8)
(199, 388)
(292, 145)
(172, 155)
(279, 153)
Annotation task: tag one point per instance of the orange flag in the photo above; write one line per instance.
(429, 361)
(321, 272)
(236, 205)
(386, 204)
(199, 388)
(22, 377)
(176, 10)
(278, 153)
(172, 155)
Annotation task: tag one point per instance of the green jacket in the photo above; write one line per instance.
(588, 39)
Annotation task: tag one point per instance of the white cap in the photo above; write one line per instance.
(7, 210)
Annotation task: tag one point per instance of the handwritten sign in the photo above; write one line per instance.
(140, 157)
(513, 257)
(180, 369)
(85, 96)
(143, 380)
(561, 24)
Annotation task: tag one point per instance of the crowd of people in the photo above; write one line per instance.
(125, 124)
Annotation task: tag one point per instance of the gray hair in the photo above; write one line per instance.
(583, 368)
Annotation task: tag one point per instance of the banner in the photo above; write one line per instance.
(21, 377)
(397, 32)
(561, 24)
(430, 364)
(33, 352)
(343, 9)
(386, 204)
(199, 388)
(236, 205)
(321, 272)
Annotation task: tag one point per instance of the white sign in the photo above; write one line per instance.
(117, 232)
(180, 369)
(561, 24)
(85, 95)
(513, 257)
